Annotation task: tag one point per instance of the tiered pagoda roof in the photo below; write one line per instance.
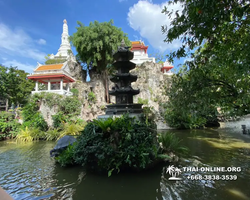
(53, 72)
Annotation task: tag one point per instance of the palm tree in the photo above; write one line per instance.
(171, 170)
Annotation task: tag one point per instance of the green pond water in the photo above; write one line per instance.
(27, 172)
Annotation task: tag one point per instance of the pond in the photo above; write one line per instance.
(27, 172)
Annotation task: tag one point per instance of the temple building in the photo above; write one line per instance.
(166, 68)
(140, 53)
(56, 77)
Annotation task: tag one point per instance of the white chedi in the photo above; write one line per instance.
(65, 49)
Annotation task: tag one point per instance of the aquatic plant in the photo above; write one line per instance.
(71, 129)
(28, 135)
(65, 158)
(121, 143)
(171, 143)
(52, 134)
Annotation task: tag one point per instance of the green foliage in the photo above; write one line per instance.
(54, 61)
(52, 134)
(66, 157)
(142, 101)
(95, 45)
(218, 74)
(171, 143)
(14, 85)
(71, 129)
(103, 107)
(149, 114)
(151, 90)
(183, 118)
(70, 106)
(9, 126)
(116, 144)
(75, 92)
(51, 99)
(28, 135)
(58, 119)
(33, 118)
(29, 110)
(91, 97)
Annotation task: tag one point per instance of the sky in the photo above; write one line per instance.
(29, 30)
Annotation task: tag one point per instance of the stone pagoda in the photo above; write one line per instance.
(122, 90)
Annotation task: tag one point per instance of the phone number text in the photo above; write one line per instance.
(213, 177)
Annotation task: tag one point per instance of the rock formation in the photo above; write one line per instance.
(152, 82)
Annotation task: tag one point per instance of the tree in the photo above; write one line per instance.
(95, 45)
(200, 21)
(216, 35)
(14, 85)
(50, 61)
(158, 56)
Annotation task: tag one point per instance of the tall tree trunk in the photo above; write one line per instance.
(106, 86)
(7, 105)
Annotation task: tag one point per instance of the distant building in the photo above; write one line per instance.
(53, 77)
(140, 53)
(56, 77)
(166, 68)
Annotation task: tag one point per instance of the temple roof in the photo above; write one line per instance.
(49, 67)
(138, 42)
(54, 71)
(49, 74)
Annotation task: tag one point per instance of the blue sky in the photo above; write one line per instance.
(30, 29)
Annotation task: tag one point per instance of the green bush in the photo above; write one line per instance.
(142, 101)
(66, 157)
(183, 120)
(75, 92)
(52, 134)
(28, 134)
(171, 143)
(70, 106)
(71, 129)
(9, 126)
(116, 144)
(58, 119)
(32, 117)
(91, 97)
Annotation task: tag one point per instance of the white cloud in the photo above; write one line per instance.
(146, 18)
(18, 43)
(41, 41)
(26, 67)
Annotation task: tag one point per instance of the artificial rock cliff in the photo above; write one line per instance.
(151, 81)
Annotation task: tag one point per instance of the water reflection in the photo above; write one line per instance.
(27, 172)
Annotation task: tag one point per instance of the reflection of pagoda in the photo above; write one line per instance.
(122, 90)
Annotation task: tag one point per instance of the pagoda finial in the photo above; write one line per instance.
(65, 21)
